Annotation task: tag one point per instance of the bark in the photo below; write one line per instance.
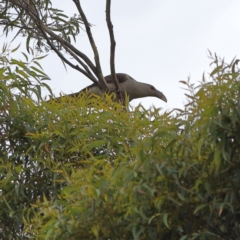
(112, 51)
(93, 45)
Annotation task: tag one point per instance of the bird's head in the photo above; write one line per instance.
(156, 93)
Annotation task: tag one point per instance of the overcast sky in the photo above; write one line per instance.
(158, 42)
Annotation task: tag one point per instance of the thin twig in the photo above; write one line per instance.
(93, 45)
(5, 22)
(112, 51)
(82, 64)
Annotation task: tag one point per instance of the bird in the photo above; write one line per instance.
(129, 86)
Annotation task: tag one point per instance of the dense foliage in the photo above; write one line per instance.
(88, 169)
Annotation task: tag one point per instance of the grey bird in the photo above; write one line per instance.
(129, 86)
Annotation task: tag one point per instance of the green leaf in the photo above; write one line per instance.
(200, 207)
(15, 49)
(184, 82)
(27, 42)
(217, 159)
(37, 70)
(95, 144)
(19, 63)
(165, 220)
(181, 196)
(22, 73)
(25, 55)
(2, 70)
(216, 70)
(184, 237)
(39, 58)
(4, 47)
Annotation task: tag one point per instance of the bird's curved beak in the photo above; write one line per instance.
(161, 96)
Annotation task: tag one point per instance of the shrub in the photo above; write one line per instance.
(88, 169)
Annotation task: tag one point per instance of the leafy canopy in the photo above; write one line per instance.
(87, 169)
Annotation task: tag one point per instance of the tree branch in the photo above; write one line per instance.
(33, 14)
(93, 45)
(112, 51)
(39, 24)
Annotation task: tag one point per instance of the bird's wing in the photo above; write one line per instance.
(77, 94)
(122, 77)
(87, 88)
(94, 88)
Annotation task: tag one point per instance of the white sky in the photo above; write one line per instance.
(158, 42)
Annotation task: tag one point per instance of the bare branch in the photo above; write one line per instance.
(93, 45)
(112, 51)
(67, 44)
(66, 61)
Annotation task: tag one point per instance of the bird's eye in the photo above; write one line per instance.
(153, 88)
